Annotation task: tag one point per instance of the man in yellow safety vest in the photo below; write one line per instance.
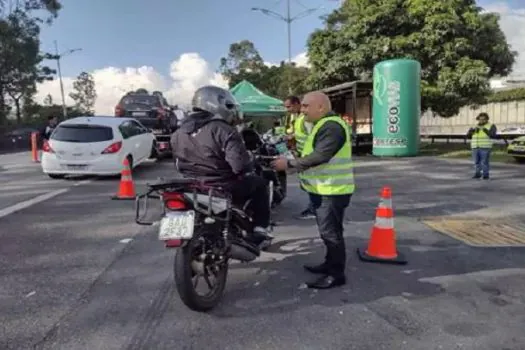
(481, 144)
(301, 130)
(326, 169)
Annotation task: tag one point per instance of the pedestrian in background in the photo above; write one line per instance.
(482, 136)
(326, 169)
(298, 128)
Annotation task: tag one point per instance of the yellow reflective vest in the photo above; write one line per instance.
(480, 139)
(335, 177)
(290, 122)
(300, 133)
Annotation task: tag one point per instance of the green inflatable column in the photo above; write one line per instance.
(396, 108)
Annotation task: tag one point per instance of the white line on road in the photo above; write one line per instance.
(30, 202)
(38, 199)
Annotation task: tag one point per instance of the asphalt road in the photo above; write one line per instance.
(77, 273)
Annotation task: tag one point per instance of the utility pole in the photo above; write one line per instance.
(57, 57)
(288, 19)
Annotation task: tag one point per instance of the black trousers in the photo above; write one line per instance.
(255, 188)
(330, 215)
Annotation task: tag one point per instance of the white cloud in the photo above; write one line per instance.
(512, 23)
(301, 60)
(187, 73)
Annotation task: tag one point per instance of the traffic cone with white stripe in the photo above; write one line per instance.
(126, 188)
(382, 244)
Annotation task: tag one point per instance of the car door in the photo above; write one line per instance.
(148, 138)
(131, 141)
(141, 140)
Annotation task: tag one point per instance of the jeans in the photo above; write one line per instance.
(481, 158)
(329, 217)
(255, 188)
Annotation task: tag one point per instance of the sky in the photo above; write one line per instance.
(175, 45)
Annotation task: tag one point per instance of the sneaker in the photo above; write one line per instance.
(307, 214)
(476, 176)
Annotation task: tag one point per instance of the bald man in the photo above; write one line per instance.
(326, 170)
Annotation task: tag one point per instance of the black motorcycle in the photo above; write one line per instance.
(207, 228)
(265, 149)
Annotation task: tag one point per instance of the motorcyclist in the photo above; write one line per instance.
(208, 146)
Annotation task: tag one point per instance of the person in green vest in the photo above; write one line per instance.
(297, 128)
(482, 136)
(293, 111)
(326, 169)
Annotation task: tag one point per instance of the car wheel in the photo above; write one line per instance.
(520, 160)
(130, 161)
(56, 176)
(154, 154)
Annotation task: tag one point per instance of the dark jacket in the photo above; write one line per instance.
(330, 138)
(209, 149)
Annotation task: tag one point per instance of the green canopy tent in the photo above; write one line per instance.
(255, 103)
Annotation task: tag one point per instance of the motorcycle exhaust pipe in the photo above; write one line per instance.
(238, 252)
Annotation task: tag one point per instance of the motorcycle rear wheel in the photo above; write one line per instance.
(185, 274)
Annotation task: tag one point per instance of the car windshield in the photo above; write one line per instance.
(144, 100)
(82, 133)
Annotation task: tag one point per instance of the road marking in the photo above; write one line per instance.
(38, 199)
(30, 202)
(126, 240)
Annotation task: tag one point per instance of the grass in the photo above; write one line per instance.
(462, 151)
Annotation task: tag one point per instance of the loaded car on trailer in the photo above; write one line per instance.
(154, 112)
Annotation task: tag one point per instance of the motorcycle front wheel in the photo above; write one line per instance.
(195, 267)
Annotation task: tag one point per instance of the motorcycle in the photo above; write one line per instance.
(207, 229)
(265, 149)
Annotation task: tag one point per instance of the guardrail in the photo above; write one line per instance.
(449, 138)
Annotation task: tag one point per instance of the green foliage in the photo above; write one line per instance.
(507, 96)
(459, 47)
(20, 57)
(84, 93)
(244, 62)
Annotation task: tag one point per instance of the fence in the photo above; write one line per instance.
(509, 118)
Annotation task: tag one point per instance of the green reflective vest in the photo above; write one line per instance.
(300, 133)
(335, 177)
(480, 139)
(279, 130)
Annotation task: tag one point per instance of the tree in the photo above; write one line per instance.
(21, 58)
(244, 62)
(84, 93)
(459, 47)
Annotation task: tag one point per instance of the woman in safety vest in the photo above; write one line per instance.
(481, 144)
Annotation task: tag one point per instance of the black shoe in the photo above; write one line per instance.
(307, 214)
(486, 178)
(319, 269)
(327, 282)
(476, 177)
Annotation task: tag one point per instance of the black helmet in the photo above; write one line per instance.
(217, 101)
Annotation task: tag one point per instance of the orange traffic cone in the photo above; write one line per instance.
(126, 188)
(382, 244)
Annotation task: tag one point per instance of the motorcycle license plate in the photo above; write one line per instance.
(177, 225)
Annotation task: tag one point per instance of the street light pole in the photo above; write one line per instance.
(288, 19)
(59, 71)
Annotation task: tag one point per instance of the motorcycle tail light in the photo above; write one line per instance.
(173, 243)
(174, 201)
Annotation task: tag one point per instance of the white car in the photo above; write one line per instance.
(95, 146)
